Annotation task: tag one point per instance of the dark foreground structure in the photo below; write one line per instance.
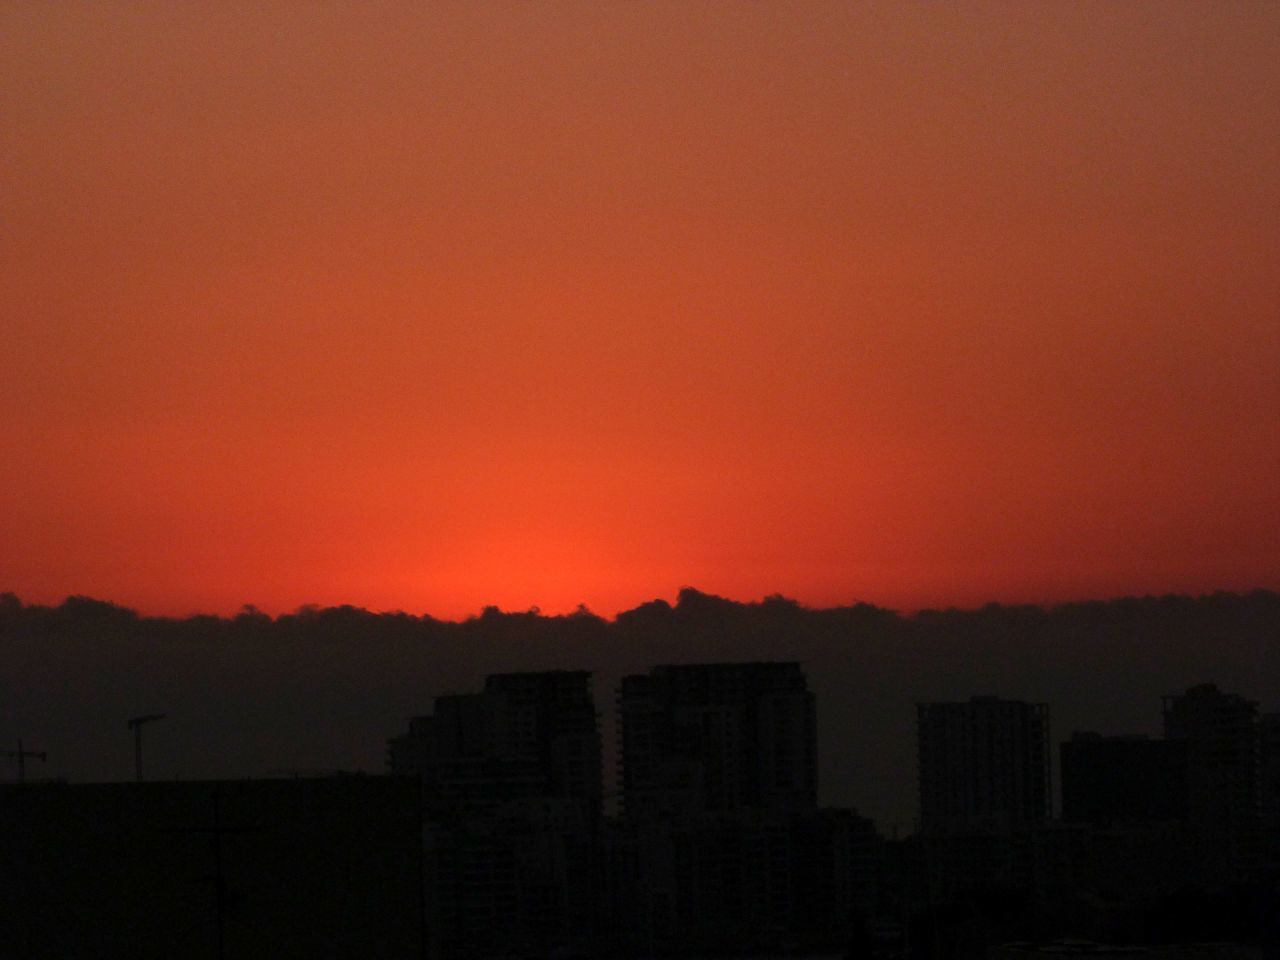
(721, 848)
(239, 869)
(493, 839)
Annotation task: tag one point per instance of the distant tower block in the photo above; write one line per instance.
(527, 735)
(984, 765)
(1224, 773)
(716, 738)
(1108, 780)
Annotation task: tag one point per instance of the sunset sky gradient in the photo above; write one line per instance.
(432, 306)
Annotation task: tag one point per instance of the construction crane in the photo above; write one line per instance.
(22, 755)
(135, 724)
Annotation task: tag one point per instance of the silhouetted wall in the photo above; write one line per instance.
(300, 868)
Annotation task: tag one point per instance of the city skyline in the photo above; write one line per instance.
(322, 688)
(596, 480)
(489, 837)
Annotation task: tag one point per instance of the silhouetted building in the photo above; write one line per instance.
(750, 882)
(1220, 732)
(717, 737)
(1123, 779)
(722, 849)
(993, 881)
(1071, 948)
(512, 788)
(1269, 742)
(526, 736)
(286, 868)
(1136, 860)
(521, 881)
(552, 716)
(984, 764)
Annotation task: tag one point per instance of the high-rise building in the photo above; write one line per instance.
(1109, 780)
(527, 735)
(722, 737)
(1269, 738)
(552, 717)
(1220, 731)
(984, 764)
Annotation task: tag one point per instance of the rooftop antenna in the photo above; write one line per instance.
(135, 724)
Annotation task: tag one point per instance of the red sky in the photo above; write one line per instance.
(431, 306)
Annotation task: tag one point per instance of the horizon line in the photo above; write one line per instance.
(583, 610)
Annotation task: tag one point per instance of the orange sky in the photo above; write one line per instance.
(430, 306)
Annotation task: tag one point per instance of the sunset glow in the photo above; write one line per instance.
(435, 306)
